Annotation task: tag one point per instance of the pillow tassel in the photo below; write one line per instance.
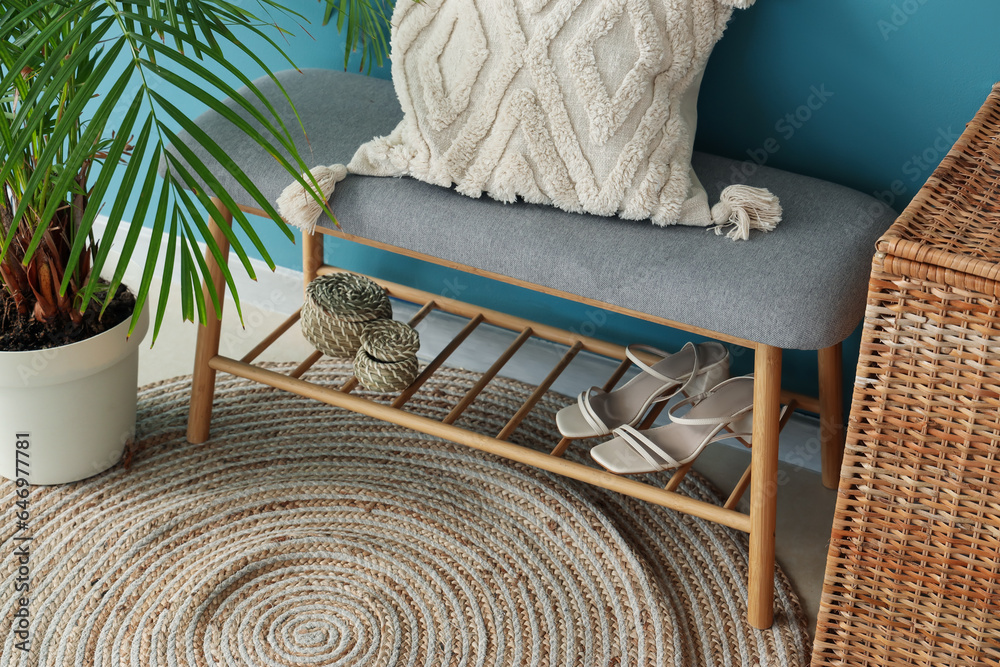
(298, 207)
(743, 208)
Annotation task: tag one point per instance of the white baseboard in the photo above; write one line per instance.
(278, 291)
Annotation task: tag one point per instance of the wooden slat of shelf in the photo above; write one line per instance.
(271, 337)
(309, 362)
(738, 491)
(802, 402)
(678, 477)
(443, 355)
(487, 377)
(424, 311)
(536, 395)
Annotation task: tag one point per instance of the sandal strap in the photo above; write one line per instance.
(684, 381)
(725, 435)
(705, 421)
(645, 447)
(589, 414)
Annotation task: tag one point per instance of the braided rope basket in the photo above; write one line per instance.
(913, 574)
(387, 360)
(337, 309)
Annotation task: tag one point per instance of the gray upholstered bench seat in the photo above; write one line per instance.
(802, 286)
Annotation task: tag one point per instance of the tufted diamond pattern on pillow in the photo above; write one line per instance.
(589, 105)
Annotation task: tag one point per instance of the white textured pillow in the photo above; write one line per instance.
(589, 105)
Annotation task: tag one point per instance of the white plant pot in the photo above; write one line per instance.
(76, 403)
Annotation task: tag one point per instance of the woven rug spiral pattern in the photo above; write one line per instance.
(301, 534)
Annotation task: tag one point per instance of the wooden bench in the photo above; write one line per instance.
(800, 287)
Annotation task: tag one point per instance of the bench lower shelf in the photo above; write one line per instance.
(494, 444)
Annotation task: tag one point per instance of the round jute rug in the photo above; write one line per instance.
(301, 534)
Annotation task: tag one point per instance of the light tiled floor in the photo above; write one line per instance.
(805, 507)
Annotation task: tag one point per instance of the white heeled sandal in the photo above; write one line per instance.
(730, 404)
(692, 370)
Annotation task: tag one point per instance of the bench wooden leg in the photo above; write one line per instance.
(312, 257)
(203, 380)
(831, 414)
(764, 484)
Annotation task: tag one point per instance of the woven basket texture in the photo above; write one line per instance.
(337, 309)
(384, 376)
(913, 575)
(387, 360)
(389, 340)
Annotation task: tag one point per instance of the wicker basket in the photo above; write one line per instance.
(337, 309)
(913, 575)
(387, 360)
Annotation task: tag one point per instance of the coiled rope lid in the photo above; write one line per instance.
(387, 360)
(350, 297)
(390, 340)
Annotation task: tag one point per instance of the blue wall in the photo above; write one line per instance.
(890, 84)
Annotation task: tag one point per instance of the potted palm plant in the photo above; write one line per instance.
(88, 106)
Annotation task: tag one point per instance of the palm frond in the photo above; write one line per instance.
(55, 55)
(367, 23)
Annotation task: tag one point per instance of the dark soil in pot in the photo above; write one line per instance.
(20, 333)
